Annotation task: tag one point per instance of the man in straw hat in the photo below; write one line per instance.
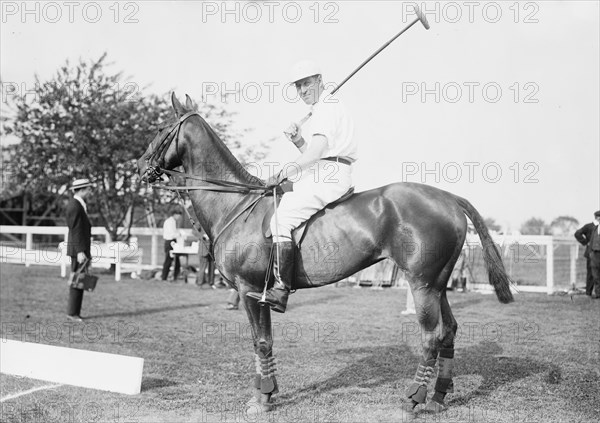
(79, 241)
(321, 175)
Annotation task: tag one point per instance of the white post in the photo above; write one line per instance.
(63, 253)
(550, 265)
(573, 266)
(118, 270)
(410, 303)
(28, 246)
(114, 248)
(154, 253)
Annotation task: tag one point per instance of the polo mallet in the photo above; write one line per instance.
(420, 17)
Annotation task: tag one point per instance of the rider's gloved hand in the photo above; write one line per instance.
(272, 181)
(293, 133)
(275, 179)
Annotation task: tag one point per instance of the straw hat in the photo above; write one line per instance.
(81, 183)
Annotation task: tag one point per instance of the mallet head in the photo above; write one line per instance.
(421, 16)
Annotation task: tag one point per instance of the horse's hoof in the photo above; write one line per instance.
(258, 406)
(409, 406)
(257, 409)
(434, 407)
(407, 416)
(407, 412)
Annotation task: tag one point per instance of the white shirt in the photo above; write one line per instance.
(78, 198)
(170, 231)
(330, 118)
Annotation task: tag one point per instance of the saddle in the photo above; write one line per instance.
(300, 231)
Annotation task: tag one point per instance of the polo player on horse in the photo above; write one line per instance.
(330, 148)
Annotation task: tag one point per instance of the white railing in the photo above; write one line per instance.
(533, 242)
(121, 254)
(124, 256)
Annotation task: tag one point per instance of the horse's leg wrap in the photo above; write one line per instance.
(264, 383)
(444, 384)
(256, 385)
(417, 390)
(265, 378)
(256, 382)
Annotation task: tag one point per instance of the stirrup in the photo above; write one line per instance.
(278, 301)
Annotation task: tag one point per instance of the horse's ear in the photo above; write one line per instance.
(179, 109)
(189, 104)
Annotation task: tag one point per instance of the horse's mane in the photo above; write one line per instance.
(221, 147)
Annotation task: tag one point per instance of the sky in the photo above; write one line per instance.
(497, 102)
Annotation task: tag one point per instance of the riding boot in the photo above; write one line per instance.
(277, 296)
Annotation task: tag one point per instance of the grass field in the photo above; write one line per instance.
(346, 355)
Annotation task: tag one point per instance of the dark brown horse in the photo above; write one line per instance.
(420, 228)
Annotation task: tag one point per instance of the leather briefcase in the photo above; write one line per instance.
(83, 280)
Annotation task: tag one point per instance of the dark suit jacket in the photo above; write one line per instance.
(584, 236)
(80, 229)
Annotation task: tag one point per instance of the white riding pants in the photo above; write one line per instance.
(316, 187)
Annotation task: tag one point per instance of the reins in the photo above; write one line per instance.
(230, 219)
(217, 184)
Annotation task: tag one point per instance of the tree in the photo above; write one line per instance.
(222, 122)
(8, 188)
(564, 225)
(491, 224)
(85, 122)
(535, 226)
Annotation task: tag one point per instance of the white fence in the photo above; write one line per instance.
(536, 263)
(125, 257)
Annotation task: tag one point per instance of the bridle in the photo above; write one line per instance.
(156, 159)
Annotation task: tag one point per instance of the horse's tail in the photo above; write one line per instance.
(491, 256)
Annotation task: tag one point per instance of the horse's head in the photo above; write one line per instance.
(163, 151)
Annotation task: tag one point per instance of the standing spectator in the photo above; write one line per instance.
(589, 235)
(233, 300)
(206, 269)
(78, 242)
(459, 274)
(170, 234)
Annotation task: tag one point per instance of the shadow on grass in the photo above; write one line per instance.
(151, 383)
(148, 311)
(322, 300)
(485, 360)
(383, 365)
(457, 303)
(579, 389)
(387, 365)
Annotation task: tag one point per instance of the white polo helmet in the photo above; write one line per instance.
(304, 69)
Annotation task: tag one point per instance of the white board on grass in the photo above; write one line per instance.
(70, 366)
